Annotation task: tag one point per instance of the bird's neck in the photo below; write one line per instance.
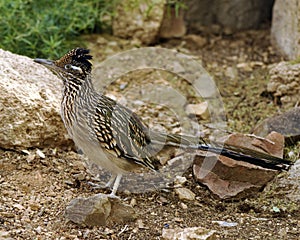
(76, 94)
(76, 87)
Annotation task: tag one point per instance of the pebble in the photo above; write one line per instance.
(133, 202)
(38, 229)
(18, 206)
(35, 206)
(40, 153)
(185, 194)
(177, 219)
(200, 110)
(225, 223)
(79, 176)
(188, 233)
(180, 180)
(183, 206)
(8, 214)
(141, 224)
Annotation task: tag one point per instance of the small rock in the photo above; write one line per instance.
(188, 234)
(287, 124)
(231, 72)
(163, 200)
(245, 66)
(35, 206)
(185, 194)
(140, 224)
(38, 230)
(120, 212)
(183, 206)
(79, 176)
(225, 223)
(177, 219)
(180, 180)
(18, 206)
(30, 158)
(200, 110)
(8, 214)
(40, 153)
(133, 202)
(195, 40)
(5, 235)
(284, 83)
(98, 210)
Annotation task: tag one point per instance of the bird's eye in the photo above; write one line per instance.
(68, 66)
(72, 67)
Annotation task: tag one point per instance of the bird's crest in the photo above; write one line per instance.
(77, 57)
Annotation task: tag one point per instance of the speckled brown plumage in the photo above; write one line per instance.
(111, 135)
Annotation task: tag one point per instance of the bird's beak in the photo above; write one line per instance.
(44, 62)
(47, 63)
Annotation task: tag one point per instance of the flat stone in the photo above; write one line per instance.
(272, 144)
(227, 178)
(98, 210)
(191, 233)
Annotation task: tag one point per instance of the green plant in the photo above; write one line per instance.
(177, 5)
(49, 28)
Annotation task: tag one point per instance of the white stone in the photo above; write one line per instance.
(185, 194)
(199, 110)
(180, 180)
(188, 234)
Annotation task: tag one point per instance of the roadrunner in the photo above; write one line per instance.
(114, 137)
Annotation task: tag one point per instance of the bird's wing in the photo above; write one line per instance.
(121, 132)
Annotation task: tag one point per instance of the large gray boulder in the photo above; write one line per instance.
(29, 105)
(285, 30)
(234, 15)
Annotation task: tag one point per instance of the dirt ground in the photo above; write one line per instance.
(35, 189)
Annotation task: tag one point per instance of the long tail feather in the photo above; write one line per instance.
(237, 153)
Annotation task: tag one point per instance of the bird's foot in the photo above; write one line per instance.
(97, 186)
(113, 195)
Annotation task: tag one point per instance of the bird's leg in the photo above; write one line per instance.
(116, 185)
(111, 180)
(107, 185)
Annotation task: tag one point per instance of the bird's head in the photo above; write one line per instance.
(74, 64)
